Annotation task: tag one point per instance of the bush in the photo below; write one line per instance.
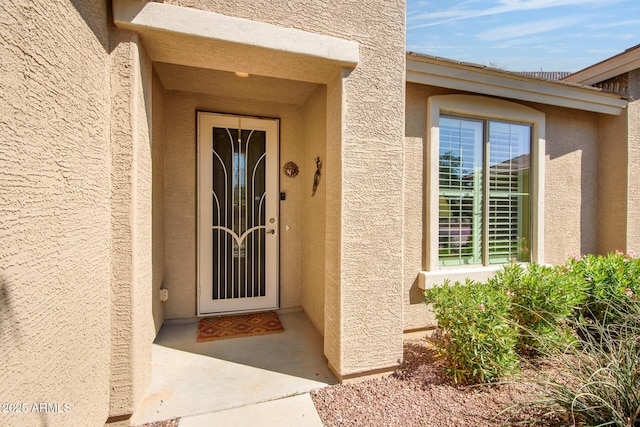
(531, 310)
(612, 280)
(477, 339)
(542, 301)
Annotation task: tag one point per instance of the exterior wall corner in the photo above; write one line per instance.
(132, 329)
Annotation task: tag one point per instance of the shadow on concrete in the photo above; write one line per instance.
(190, 378)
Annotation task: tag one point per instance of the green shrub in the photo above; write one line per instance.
(613, 280)
(542, 300)
(477, 339)
(529, 311)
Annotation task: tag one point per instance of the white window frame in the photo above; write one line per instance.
(483, 108)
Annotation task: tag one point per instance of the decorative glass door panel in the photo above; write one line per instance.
(238, 213)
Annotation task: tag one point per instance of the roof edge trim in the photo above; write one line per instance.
(622, 63)
(137, 15)
(454, 75)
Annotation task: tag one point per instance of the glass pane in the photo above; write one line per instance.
(238, 213)
(460, 190)
(509, 192)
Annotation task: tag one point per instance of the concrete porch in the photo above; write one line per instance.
(206, 382)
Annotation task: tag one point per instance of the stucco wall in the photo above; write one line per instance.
(416, 314)
(363, 292)
(571, 190)
(158, 134)
(180, 199)
(571, 183)
(314, 208)
(613, 166)
(633, 204)
(332, 178)
(132, 326)
(55, 250)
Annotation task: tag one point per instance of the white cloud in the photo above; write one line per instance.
(616, 24)
(507, 32)
(459, 12)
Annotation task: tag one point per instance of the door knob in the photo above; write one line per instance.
(270, 231)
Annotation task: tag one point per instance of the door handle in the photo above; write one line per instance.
(270, 231)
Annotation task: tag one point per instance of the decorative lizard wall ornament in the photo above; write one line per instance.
(316, 176)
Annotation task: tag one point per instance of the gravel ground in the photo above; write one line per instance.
(166, 423)
(419, 393)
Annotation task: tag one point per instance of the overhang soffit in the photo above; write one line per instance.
(192, 37)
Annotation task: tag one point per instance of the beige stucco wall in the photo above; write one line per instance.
(368, 302)
(619, 178)
(157, 214)
(132, 326)
(332, 177)
(55, 251)
(612, 169)
(180, 198)
(363, 315)
(571, 183)
(633, 203)
(571, 190)
(416, 314)
(313, 208)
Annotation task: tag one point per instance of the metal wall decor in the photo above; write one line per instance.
(290, 169)
(316, 176)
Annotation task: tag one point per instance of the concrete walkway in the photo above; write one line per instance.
(262, 380)
(288, 412)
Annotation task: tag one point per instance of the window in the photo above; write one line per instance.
(484, 191)
(484, 182)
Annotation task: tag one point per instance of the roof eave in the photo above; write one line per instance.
(473, 78)
(622, 63)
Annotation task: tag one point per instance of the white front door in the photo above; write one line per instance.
(238, 201)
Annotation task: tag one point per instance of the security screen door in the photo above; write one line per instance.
(237, 213)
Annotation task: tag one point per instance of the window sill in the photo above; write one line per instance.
(429, 279)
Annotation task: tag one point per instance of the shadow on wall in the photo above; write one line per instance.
(575, 132)
(8, 323)
(416, 295)
(97, 15)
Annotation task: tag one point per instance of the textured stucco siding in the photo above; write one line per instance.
(132, 327)
(314, 208)
(363, 302)
(416, 314)
(180, 198)
(612, 194)
(332, 177)
(633, 201)
(571, 183)
(55, 217)
(372, 211)
(157, 214)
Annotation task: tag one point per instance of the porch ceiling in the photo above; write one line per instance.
(226, 84)
(186, 36)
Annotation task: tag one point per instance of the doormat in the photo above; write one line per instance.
(243, 325)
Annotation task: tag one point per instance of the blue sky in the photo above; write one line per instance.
(524, 35)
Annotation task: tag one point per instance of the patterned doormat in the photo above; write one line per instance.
(244, 325)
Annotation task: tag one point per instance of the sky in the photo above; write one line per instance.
(524, 35)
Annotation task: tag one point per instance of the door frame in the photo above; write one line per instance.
(272, 243)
